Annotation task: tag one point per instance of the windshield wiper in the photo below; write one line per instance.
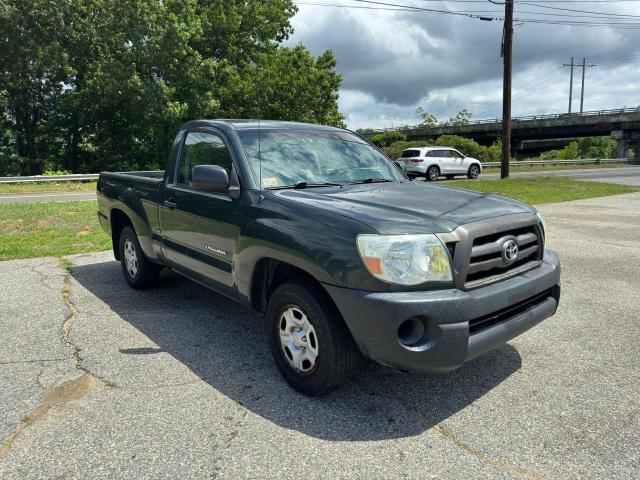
(301, 185)
(371, 180)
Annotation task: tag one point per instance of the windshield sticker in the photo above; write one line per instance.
(270, 182)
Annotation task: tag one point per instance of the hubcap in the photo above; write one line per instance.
(433, 174)
(298, 339)
(130, 258)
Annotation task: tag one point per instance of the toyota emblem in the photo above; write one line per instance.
(509, 251)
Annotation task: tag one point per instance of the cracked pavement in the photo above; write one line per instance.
(98, 380)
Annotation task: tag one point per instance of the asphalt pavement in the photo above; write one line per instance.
(32, 197)
(101, 381)
(622, 175)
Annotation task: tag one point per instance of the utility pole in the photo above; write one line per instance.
(570, 83)
(584, 66)
(506, 88)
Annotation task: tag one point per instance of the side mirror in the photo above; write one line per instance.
(210, 178)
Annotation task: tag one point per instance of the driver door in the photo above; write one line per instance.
(200, 229)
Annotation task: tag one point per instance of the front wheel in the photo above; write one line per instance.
(310, 343)
(474, 172)
(433, 173)
(138, 270)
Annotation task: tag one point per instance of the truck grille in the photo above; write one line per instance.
(486, 258)
(477, 249)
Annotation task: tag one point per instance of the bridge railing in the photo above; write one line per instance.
(553, 116)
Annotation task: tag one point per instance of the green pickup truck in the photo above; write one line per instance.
(317, 230)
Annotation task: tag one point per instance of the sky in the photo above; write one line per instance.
(393, 61)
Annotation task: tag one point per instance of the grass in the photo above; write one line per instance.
(30, 230)
(47, 187)
(543, 189)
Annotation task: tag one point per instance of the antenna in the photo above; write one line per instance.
(259, 155)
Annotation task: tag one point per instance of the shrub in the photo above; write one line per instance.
(468, 147)
(387, 138)
(56, 172)
(395, 149)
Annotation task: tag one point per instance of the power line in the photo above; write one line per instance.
(379, 5)
(579, 11)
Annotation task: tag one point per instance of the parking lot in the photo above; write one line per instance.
(101, 381)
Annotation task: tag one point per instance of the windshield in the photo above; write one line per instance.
(290, 157)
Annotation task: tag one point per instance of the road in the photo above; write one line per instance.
(102, 381)
(623, 175)
(32, 197)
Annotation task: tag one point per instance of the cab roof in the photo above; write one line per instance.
(254, 124)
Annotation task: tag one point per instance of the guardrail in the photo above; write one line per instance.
(547, 163)
(76, 177)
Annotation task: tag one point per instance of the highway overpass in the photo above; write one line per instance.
(543, 132)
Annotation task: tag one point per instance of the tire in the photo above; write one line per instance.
(310, 343)
(432, 174)
(474, 172)
(138, 270)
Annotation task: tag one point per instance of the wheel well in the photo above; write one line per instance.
(434, 165)
(269, 274)
(119, 220)
(476, 164)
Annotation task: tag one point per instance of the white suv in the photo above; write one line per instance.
(433, 162)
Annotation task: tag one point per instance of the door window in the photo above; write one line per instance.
(201, 148)
(441, 153)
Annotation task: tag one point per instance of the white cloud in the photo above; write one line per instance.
(393, 61)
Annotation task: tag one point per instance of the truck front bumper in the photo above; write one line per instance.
(440, 330)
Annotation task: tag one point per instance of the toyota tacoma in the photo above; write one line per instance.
(341, 254)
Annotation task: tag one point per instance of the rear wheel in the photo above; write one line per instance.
(311, 345)
(433, 173)
(138, 270)
(474, 172)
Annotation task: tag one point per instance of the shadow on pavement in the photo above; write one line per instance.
(225, 345)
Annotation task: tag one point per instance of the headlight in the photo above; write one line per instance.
(405, 259)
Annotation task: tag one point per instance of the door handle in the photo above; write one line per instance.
(170, 204)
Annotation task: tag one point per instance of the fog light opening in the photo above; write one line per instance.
(410, 332)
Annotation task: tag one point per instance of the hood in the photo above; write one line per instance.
(407, 207)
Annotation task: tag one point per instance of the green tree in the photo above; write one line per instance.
(463, 117)
(387, 138)
(428, 120)
(34, 70)
(103, 84)
(596, 147)
(394, 150)
(467, 146)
